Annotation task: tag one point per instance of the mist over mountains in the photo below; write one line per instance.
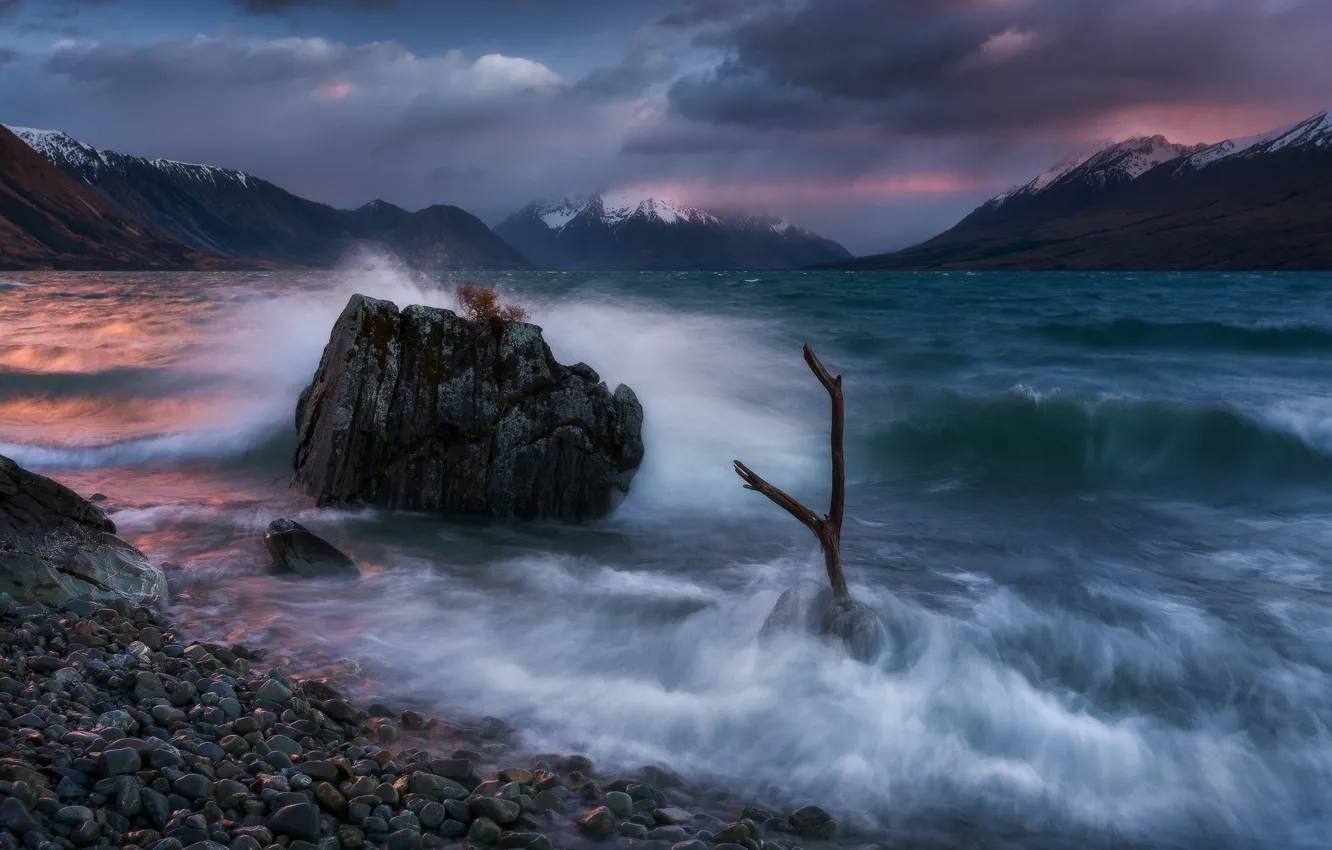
(633, 230)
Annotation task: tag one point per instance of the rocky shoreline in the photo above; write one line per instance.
(114, 731)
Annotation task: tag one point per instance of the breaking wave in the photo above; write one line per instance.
(1021, 439)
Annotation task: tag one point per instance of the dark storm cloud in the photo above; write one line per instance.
(643, 66)
(696, 12)
(47, 17)
(337, 122)
(959, 66)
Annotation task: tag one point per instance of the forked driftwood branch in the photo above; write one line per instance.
(828, 528)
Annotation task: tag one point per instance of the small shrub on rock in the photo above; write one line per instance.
(481, 305)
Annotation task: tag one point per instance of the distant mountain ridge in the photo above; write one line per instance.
(50, 221)
(632, 230)
(1261, 202)
(229, 212)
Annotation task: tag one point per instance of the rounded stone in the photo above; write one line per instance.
(813, 822)
(484, 831)
(599, 823)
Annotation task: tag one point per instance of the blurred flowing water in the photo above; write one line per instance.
(1094, 510)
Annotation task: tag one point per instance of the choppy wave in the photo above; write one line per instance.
(1066, 672)
(1132, 333)
(1019, 439)
(1000, 709)
(267, 448)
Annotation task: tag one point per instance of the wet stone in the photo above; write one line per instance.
(453, 829)
(599, 823)
(484, 831)
(274, 691)
(455, 769)
(673, 834)
(404, 839)
(732, 834)
(497, 810)
(619, 803)
(192, 786)
(285, 745)
(548, 801)
(432, 814)
(298, 821)
(813, 822)
(671, 815)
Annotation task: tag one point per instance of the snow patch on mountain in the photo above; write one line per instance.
(745, 221)
(1101, 165)
(63, 150)
(57, 147)
(560, 214)
(1314, 131)
(624, 204)
(615, 208)
(1055, 172)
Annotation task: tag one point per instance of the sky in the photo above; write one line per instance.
(874, 122)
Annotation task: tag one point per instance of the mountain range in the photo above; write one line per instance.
(1145, 203)
(48, 220)
(217, 215)
(1262, 202)
(635, 231)
(233, 214)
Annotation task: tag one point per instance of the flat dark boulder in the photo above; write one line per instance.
(297, 550)
(420, 409)
(55, 546)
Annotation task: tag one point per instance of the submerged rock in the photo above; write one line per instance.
(811, 608)
(422, 410)
(813, 822)
(798, 609)
(55, 546)
(296, 549)
(856, 626)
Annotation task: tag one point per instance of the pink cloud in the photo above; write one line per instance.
(1001, 47)
(334, 91)
(778, 194)
(1197, 122)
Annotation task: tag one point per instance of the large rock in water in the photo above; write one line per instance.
(55, 546)
(420, 409)
(810, 607)
(296, 549)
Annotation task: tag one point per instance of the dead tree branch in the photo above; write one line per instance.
(829, 528)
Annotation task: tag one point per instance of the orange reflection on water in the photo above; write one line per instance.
(100, 420)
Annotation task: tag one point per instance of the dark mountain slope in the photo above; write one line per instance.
(47, 220)
(1249, 204)
(237, 214)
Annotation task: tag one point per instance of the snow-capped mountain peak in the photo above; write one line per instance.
(557, 213)
(65, 151)
(625, 204)
(1055, 173)
(616, 208)
(57, 146)
(1314, 131)
(637, 229)
(1101, 165)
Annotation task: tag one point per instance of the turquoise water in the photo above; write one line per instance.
(1093, 509)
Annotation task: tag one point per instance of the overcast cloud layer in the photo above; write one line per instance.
(875, 122)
